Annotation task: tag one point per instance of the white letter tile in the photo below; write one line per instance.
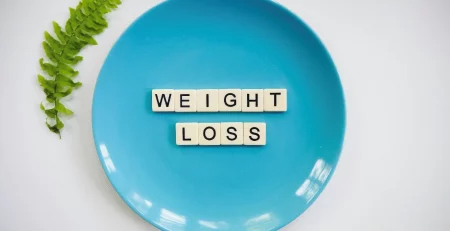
(254, 133)
(230, 100)
(208, 100)
(275, 100)
(209, 133)
(232, 133)
(252, 100)
(163, 100)
(187, 133)
(185, 100)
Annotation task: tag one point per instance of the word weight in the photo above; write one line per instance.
(219, 100)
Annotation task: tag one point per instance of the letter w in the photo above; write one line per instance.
(163, 98)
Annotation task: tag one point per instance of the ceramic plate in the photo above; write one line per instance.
(203, 44)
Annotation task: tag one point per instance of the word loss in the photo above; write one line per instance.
(219, 100)
(221, 133)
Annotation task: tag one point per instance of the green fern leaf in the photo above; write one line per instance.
(88, 31)
(53, 128)
(99, 19)
(51, 113)
(67, 82)
(71, 50)
(48, 93)
(92, 25)
(54, 44)
(76, 45)
(92, 6)
(110, 5)
(74, 23)
(59, 107)
(60, 95)
(80, 14)
(50, 98)
(115, 2)
(62, 36)
(86, 38)
(70, 60)
(68, 27)
(59, 88)
(103, 9)
(49, 68)
(59, 124)
(50, 52)
(97, 3)
(72, 13)
(67, 70)
(48, 85)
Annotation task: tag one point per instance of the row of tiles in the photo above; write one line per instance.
(223, 100)
(229, 133)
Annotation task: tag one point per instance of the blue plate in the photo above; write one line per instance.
(198, 44)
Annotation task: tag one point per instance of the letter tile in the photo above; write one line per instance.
(252, 100)
(185, 100)
(187, 133)
(208, 100)
(162, 100)
(229, 100)
(232, 133)
(275, 99)
(254, 133)
(209, 133)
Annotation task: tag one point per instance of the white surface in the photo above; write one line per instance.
(394, 174)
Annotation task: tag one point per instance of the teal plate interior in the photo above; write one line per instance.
(201, 44)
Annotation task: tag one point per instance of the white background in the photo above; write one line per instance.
(394, 174)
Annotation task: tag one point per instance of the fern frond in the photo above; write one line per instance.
(86, 20)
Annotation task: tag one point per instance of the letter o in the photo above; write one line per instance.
(205, 135)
